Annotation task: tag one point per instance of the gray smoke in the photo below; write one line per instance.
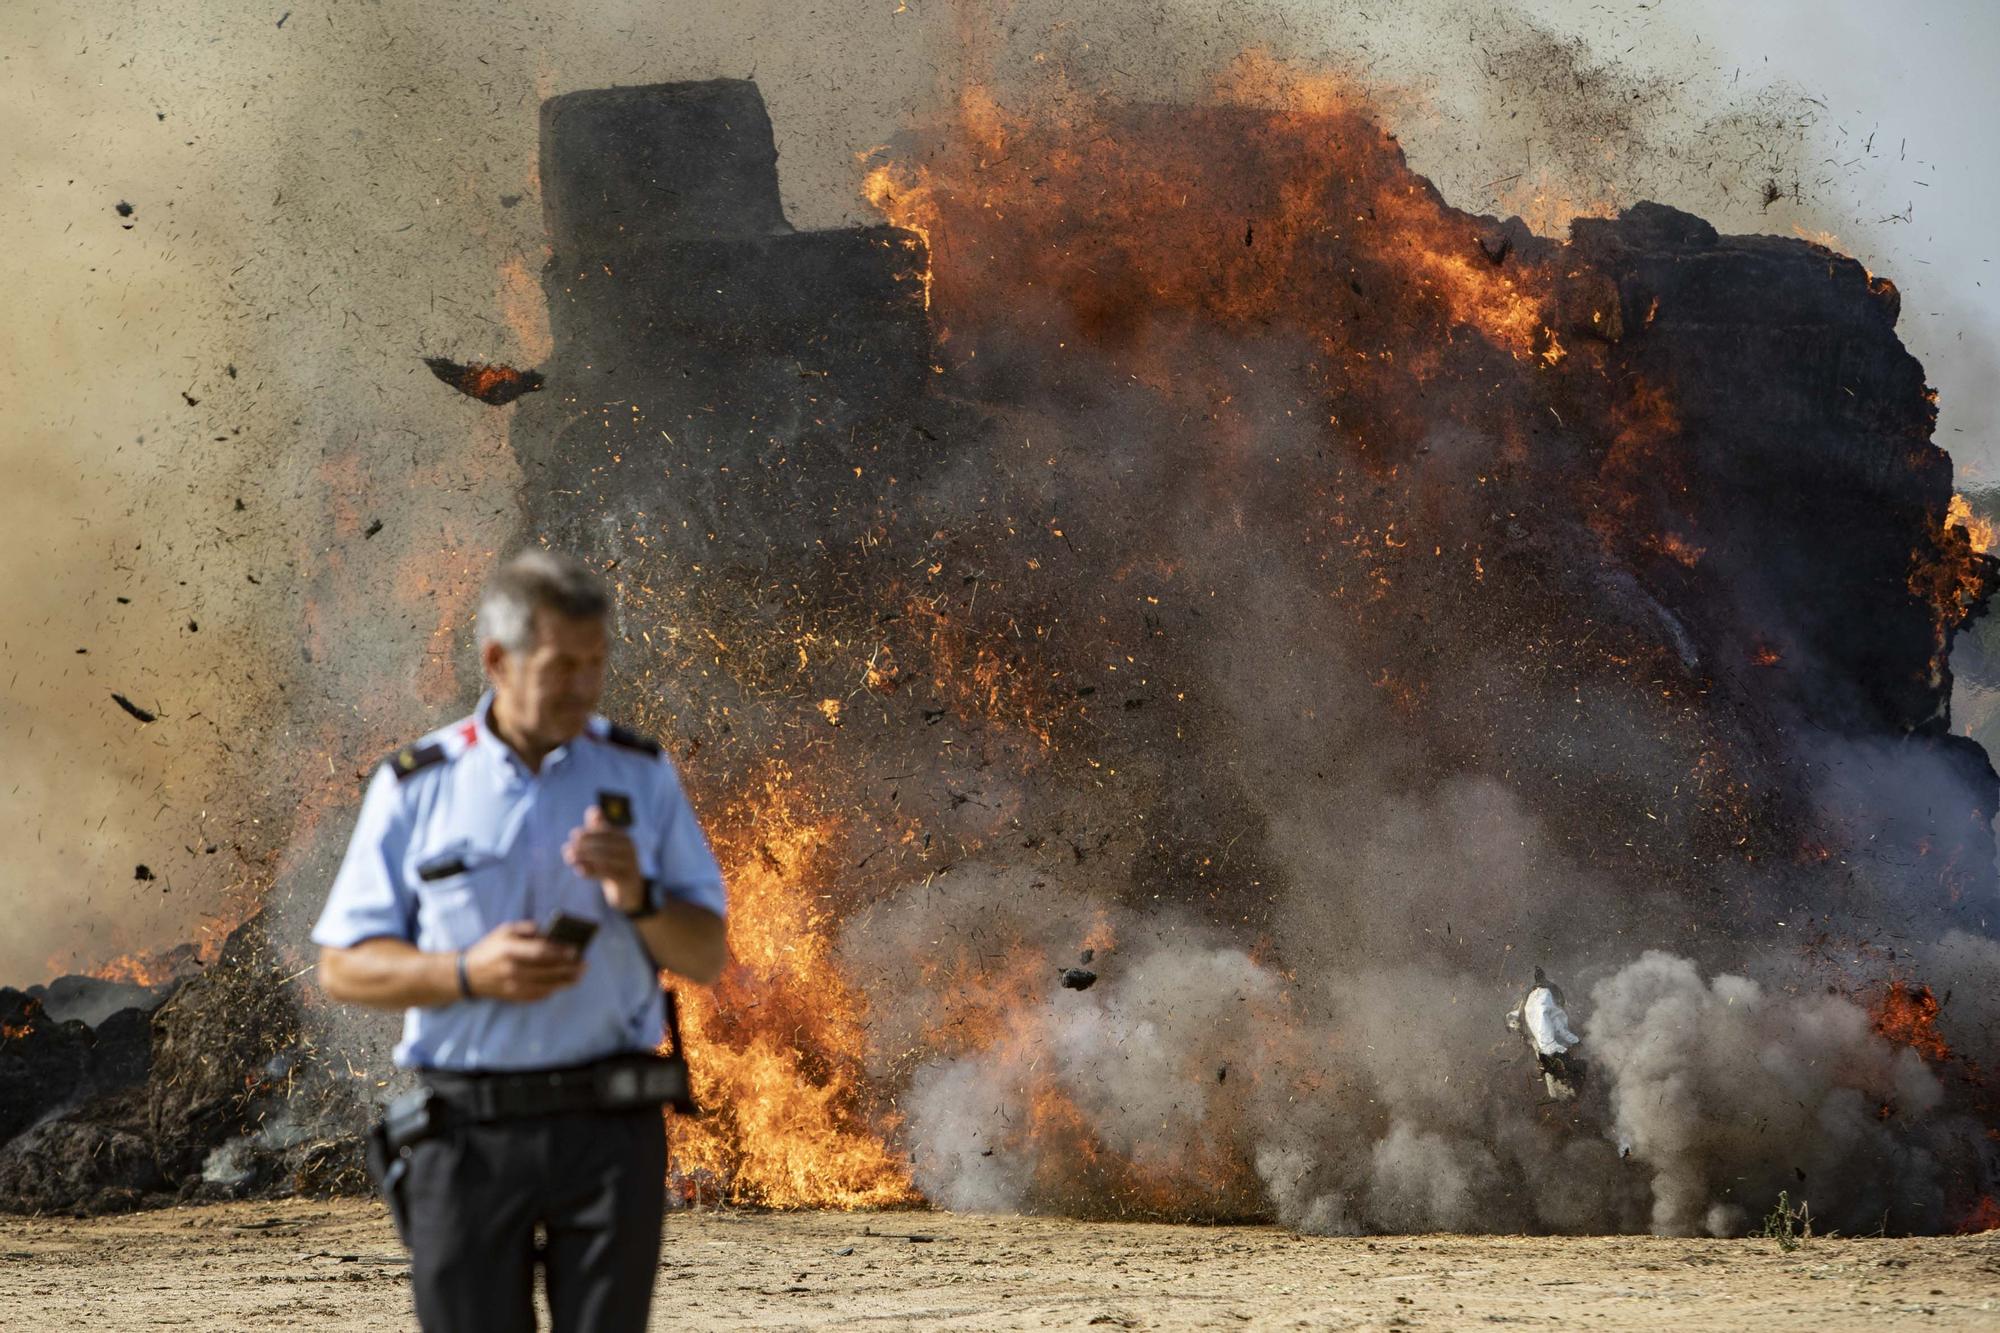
(1193, 1079)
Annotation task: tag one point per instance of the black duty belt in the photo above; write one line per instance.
(619, 1083)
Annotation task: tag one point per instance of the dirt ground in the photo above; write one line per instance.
(337, 1266)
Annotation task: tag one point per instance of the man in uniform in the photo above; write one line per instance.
(538, 1106)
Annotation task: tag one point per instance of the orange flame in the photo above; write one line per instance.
(1979, 531)
(1136, 207)
(777, 1048)
(155, 968)
(1953, 573)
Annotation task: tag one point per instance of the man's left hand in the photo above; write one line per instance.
(605, 853)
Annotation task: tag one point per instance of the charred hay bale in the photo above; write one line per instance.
(214, 1044)
(122, 1050)
(97, 1159)
(43, 1063)
(625, 168)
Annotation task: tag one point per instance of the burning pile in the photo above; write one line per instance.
(1185, 538)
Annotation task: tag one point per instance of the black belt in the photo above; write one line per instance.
(619, 1083)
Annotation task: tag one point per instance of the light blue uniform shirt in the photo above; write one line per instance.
(456, 836)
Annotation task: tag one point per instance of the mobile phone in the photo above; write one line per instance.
(575, 931)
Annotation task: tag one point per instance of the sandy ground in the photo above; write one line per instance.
(337, 1266)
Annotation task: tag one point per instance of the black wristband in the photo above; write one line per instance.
(647, 907)
(464, 979)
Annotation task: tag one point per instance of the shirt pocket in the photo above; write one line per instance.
(457, 898)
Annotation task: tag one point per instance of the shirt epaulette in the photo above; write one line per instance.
(631, 740)
(414, 759)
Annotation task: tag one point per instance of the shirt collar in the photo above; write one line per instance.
(483, 738)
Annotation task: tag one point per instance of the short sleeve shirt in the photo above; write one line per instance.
(456, 836)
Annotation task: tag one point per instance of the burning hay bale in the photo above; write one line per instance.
(1477, 585)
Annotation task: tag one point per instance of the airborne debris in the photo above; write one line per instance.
(134, 709)
(494, 385)
(1078, 978)
(374, 526)
(143, 873)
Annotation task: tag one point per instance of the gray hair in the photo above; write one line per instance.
(529, 582)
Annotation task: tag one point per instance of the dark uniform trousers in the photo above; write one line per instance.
(473, 1197)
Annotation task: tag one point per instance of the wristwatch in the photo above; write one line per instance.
(647, 906)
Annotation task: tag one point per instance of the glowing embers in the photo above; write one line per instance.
(1983, 1216)
(493, 385)
(1908, 1015)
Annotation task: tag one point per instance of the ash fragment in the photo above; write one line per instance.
(494, 385)
(144, 715)
(1078, 978)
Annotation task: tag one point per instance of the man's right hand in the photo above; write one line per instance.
(515, 963)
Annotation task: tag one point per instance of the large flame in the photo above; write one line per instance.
(1139, 228)
(778, 1045)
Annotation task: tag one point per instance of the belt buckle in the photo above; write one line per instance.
(622, 1085)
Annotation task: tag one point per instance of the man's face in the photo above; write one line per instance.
(550, 691)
